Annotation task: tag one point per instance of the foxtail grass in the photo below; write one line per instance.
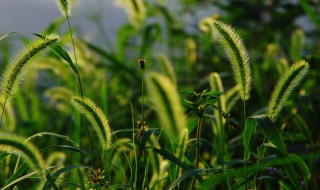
(237, 55)
(284, 87)
(166, 67)
(27, 150)
(165, 100)
(218, 128)
(297, 44)
(240, 63)
(96, 117)
(18, 67)
(65, 9)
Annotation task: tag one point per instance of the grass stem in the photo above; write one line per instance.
(4, 106)
(80, 87)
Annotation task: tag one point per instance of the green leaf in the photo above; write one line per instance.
(247, 136)
(18, 180)
(186, 175)
(61, 52)
(302, 167)
(55, 47)
(23, 168)
(175, 160)
(3, 156)
(213, 93)
(312, 15)
(51, 181)
(60, 171)
(41, 134)
(269, 129)
(272, 134)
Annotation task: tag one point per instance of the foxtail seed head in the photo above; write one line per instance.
(97, 119)
(286, 84)
(27, 150)
(237, 55)
(65, 7)
(18, 67)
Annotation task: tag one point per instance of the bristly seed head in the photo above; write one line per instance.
(65, 7)
(142, 63)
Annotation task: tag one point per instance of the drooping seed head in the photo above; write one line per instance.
(17, 69)
(27, 150)
(286, 84)
(97, 119)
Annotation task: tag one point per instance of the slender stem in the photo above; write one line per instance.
(142, 92)
(80, 86)
(198, 141)
(246, 161)
(197, 146)
(3, 108)
(146, 163)
(135, 168)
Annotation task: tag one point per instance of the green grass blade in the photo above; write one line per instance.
(175, 160)
(22, 169)
(302, 167)
(56, 174)
(51, 181)
(18, 180)
(188, 174)
(3, 156)
(269, 129)
(312, 14)
(42, 134)
(247, 136)
(61, 52)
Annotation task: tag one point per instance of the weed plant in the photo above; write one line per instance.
(233, 105)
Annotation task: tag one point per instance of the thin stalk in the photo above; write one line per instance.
(4, 106)
(106, 156)
(198, 141)
(246, 161)
(142, 92)
(80, 87)
(255, 176)
(197, 146)
(146, 163)
(134, 185)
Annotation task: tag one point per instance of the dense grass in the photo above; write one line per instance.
(232, 105)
